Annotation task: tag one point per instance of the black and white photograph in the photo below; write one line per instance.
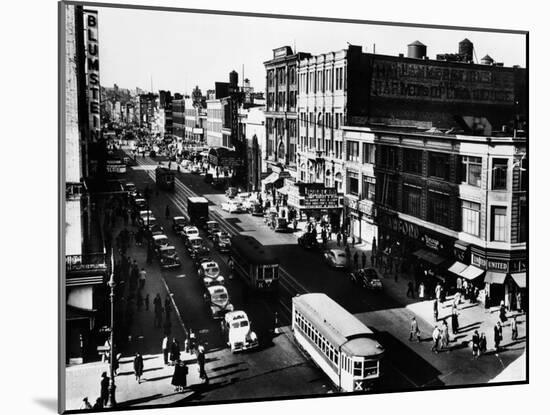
(260, 207)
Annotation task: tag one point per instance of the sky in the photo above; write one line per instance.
(176, 50)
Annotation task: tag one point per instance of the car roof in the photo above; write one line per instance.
(190, 228)
(217, 288)
(166, 248)
(212, 222)
(156, 237)
(180, 217)
(209, 264)
(194, 238)
(236, 315)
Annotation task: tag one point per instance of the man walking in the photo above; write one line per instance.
(436, 335)
(138, 367)
(104, 394)
(165, 349)
(201, 360)
(415, 332)
(157, 302)
(497, 335)
(436, 310)
(410, 289)
(142, 276)
(514, 327)
(364, 259)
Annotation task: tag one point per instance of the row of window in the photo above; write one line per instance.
(316, 337)
(323, 119)
(327, 80)
(281, 76)
(279, 125)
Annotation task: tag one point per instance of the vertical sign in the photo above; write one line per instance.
(92, 73)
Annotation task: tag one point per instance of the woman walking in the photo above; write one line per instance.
(138, 367)
(179, 378)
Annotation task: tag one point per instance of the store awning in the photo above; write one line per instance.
(458, 267)
(495, 277)
(521, 279)
(471, 272)
(429, 257)
(272, 178)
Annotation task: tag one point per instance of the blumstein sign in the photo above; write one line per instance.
(92, 73)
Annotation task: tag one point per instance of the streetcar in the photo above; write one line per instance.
(253, 262)
(341, 345)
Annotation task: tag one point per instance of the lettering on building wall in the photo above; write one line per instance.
(425, 81)
(92, 73)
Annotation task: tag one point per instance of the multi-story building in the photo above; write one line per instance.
(215, 120)
(193, 130)
(256, 147)
(281, 107)
(178, 116)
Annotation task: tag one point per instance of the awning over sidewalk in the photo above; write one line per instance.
(495, 277)
(458, 267)
(429, 257)
(521, 279)
(471, 272)
(272, 178)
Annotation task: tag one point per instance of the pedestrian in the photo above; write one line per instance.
(421, 290)
(85, 404)
(438, 291)
(364, 259)
(482, 344)
(445, 335)
(116, 363)
(174, 351)
(355, 260)
(372, 259)
(192, 341)
(415, 331)
(454, 320)
(497, 335)
(436, 310)
(142, 277)
(294, 224)
(147, 302)
(138, 367)
(338, 238)
(104, 394)
(502, 312)
(475, 344)
(410, 289)
(167, 212)
(514, 326)
(165, 349)
(436, 335)
(179, 378)
(201, 360)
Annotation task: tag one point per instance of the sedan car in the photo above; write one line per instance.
(212, 227)
(232, 207)
(210, 273)
(178, 223)
(168, 257)
(160, 241)
(140, 203)
(153, 229)
(188, 232)
(217, 298)
(196, 246)
(367, 278)
(308, 241)
(336, 258)
(143, 215)
(222, 241)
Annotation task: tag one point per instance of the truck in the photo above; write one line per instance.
(197, 210)
(165, 178)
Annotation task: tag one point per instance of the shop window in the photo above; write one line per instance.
(471, 170)
(369, 188)
(412, 161)
(439, 165)
(500, 174)
(470, 217)
(412, 200)
(368, 153)
(352, 151)
(353, 183)
(498, 220)
(438, 208)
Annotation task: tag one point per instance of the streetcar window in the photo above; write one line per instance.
(357, 368)
(244, 323)
(268, 273)
(275, 273)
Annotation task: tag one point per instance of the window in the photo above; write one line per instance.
(388, 157)
(337, 121)
(470, 217)
(498, 219)
(368, 153)
(369, 188)
(471, 170)
(352, 151)
(439, 165)
(438, 208)
(353, 183)
(386, 191)
(500, 170)
(412, 197)
(357, 369)
(412, 161)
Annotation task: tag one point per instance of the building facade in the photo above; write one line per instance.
(215, 117)
(178, 117)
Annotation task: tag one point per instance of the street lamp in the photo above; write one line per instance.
(111, 402)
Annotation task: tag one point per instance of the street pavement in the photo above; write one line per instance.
(278, 368)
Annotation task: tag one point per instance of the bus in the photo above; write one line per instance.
(254, 263)
(341, 345)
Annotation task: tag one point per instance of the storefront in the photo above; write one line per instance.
(360, 214)
(315, 200)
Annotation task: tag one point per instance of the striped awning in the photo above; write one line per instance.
(471, 272)
(495, 277)
(520, 278)
(458, 267)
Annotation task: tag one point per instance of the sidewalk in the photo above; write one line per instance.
(155, 389)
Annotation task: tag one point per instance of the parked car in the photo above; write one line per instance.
(143, 215)
(168, 257)
(217, 299)
(308, 241)
(130, 188)
(231, 192)
(256, 209)
(201, 259)
(222, 241)
(336, 258)
(212, 227)
(178, 223)
(210, 273)
(188, 232)
(160, 241)
(196, 246)
(237, 331)
(153, 229)
(140, 204)
(280, 225)
(232, 207)
(367, 278)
